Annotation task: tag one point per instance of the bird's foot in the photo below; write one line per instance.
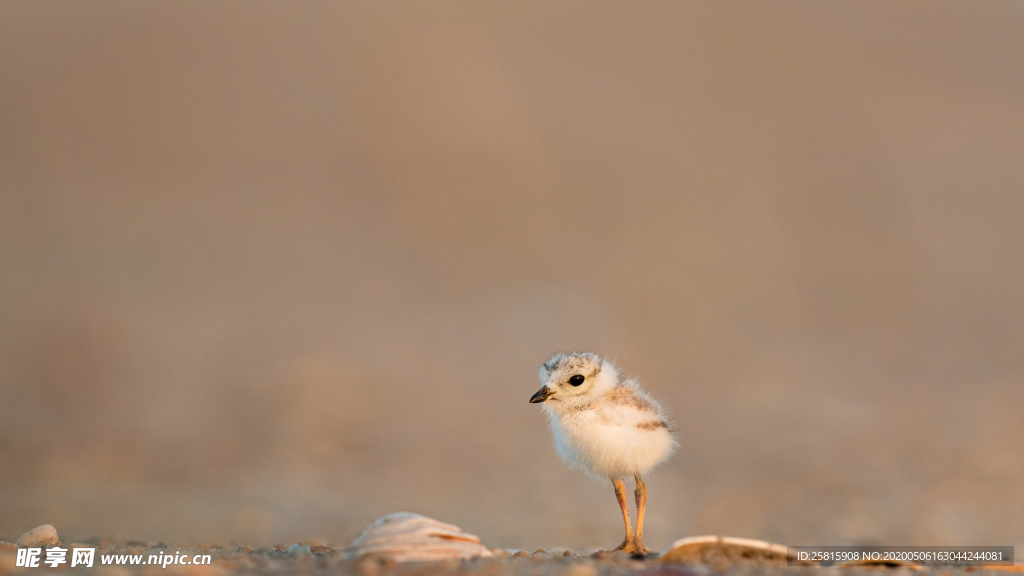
(633, 547)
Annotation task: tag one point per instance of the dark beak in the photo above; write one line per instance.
(541, 395)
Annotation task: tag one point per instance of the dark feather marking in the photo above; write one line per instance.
(626, 396)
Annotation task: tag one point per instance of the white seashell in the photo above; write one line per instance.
(410, 537)
(887, 564)
(723, 550)
(45, 534)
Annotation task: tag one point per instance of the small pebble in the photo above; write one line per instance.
(321, 549)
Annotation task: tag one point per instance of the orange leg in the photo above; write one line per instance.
(620, 494)
(641, 505)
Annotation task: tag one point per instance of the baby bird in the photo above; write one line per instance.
(605, 426)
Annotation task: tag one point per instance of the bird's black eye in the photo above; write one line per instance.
(576, 380)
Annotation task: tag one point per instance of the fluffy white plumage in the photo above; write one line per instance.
(605, 426)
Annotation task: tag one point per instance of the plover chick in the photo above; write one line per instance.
(606, 426)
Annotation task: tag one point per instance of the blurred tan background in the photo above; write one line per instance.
(271, 270)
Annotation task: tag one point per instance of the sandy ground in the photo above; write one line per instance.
(329, 560)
